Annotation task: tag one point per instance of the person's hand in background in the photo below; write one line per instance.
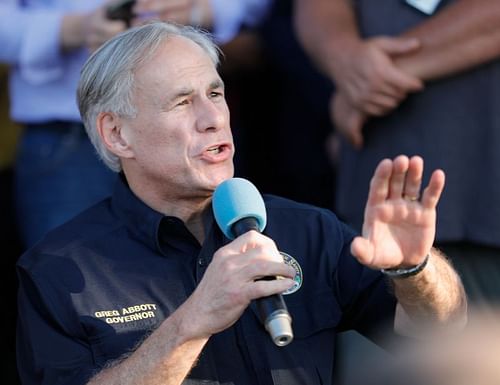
(187, 12)
(89, 29)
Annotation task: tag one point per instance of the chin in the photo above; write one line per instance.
(218, 178)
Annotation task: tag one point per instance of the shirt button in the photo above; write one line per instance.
(202, 261)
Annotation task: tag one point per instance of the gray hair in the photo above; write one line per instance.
(107, 78)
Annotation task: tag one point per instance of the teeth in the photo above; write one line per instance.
(215, 150)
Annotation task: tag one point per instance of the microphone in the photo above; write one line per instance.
(238, 208)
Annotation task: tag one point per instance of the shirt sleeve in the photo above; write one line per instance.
(30, 41)
(230, 16)
(365, 295)
(47, 352)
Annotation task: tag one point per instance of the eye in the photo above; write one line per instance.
(216, 94)
(183, 102)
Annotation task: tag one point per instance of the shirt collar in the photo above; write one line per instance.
(142, 221)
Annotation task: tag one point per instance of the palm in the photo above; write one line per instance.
(398, 231)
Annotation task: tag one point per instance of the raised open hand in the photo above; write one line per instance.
(399, 225)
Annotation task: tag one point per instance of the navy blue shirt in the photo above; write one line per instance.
(98, 285)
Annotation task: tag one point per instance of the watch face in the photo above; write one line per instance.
(298, 278)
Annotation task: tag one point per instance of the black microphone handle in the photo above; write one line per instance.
(272, 309)
(244, 225)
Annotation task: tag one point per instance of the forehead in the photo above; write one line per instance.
(175, 58)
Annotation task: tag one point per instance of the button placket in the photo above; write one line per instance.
(201, 265)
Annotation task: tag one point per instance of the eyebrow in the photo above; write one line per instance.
(186, 91)
(217, 84)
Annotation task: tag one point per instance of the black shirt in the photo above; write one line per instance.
(98, 285)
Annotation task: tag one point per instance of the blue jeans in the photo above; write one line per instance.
(57, 175)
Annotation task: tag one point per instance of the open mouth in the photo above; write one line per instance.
(218, 152)
(216, 149)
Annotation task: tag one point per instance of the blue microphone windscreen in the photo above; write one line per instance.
(235, 199)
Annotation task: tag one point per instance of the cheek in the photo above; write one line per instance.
(156, 138)
(173, 151)
(163, 141)
(175, 142)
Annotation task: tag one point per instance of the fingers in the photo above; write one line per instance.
(253, 256)
(413, 179)
(397, 46)
(379, 184)
(99, 29)
(381, 104)
(398, 228)
(398, 176)
(259, 289)
(347, 119)
(394, 47)
(384, 85)
(402, 178)
(172, 10)
(356, 122)
(231, 281)
(433, 191)
(402, 81)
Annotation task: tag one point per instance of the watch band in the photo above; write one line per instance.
(406, 272)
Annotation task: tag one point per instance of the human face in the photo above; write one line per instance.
(181, 137)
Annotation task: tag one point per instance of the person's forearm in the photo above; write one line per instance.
(433, 298)
(165, 357)
(460, 37)
(325, 29)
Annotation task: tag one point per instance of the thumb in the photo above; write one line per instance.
(347, 119)
(356, 122)
(397, 45)
(362, 250)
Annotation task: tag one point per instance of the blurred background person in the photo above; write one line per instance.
(53, 171)
(411, 78)
(417, 78)
(57, 173)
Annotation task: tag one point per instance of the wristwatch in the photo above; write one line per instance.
(406, 272)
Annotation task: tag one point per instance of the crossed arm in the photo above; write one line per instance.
(374, 75)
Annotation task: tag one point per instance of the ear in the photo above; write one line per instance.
(113, 134)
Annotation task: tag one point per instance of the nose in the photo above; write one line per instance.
(211, 115)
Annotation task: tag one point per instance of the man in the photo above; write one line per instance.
(45, 43)
(144, 288)
(419, 77)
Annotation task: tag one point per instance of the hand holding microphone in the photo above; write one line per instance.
(239, 208)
